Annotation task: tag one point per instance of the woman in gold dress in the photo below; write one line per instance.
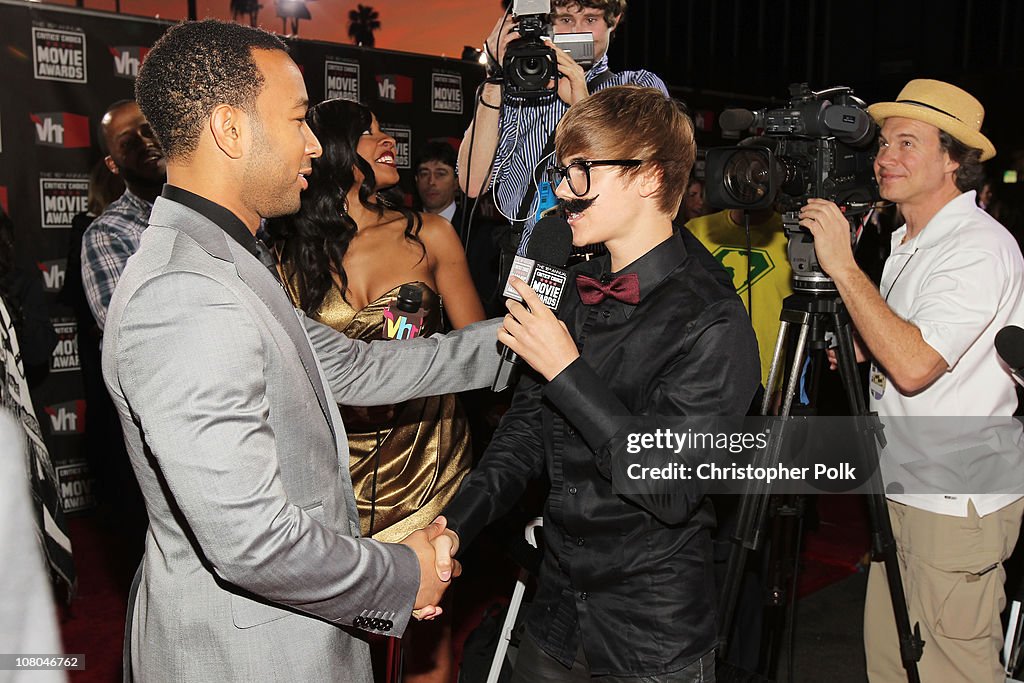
(345, 256)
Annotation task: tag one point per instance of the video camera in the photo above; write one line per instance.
(530, 63)
(823, 144)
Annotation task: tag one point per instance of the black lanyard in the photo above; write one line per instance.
(893, 285)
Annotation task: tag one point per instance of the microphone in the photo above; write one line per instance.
(403, 317)
(1010, 347)
(543, 268)
(737, 120)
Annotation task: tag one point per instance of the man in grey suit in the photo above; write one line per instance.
(253, 568)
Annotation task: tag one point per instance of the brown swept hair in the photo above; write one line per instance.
(631, 122)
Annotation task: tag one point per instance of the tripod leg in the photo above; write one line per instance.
(773, 371)
(846, 359)
(795, 370)
(883, 542)
(752, 511)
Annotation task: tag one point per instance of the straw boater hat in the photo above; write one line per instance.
(944, 106)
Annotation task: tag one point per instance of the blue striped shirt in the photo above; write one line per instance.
(524, 128)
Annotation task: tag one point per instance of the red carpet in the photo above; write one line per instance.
(834, 550)
(94, 622)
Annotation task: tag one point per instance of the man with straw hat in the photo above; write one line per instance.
(953, 280)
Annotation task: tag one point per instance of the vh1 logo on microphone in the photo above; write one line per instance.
(399, 325)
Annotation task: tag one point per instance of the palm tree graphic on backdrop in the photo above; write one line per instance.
(362, 22)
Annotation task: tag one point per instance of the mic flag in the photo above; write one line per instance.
(1010, 347)
(403, 317)
(543, 268)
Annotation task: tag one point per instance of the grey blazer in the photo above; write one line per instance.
(227, 395)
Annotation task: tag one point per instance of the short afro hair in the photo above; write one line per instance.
(194, 67)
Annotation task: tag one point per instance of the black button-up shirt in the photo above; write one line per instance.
(631, 575)
(217, 214)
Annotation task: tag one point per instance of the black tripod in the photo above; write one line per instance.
(819, 312)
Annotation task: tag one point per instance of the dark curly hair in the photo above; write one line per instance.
(312, 243)
(970, 174)
(612, 8)
(194, 67)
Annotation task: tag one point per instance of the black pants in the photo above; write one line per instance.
(533, 665)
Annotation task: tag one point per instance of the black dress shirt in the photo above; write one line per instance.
(631, 576)
(219, 215)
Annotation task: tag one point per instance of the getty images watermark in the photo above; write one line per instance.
(806, 455)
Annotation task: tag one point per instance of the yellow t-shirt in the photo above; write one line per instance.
(770, 274)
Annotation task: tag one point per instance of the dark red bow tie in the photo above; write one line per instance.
(624, 288)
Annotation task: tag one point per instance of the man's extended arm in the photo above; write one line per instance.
(386, 372)
(896, 344)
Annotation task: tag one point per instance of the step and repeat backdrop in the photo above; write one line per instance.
(59, 70)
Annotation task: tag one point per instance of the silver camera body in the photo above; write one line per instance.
(523, 7)
(580, 47)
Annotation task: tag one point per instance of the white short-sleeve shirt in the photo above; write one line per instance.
(960, 281)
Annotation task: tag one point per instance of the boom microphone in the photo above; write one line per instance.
(543, 268)
(1010, 347)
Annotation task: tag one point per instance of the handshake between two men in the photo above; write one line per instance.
(434, 546)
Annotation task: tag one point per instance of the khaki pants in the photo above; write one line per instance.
(953, 576)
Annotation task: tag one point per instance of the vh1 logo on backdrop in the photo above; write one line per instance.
(66, 419)
(61, 129)
(396, 89)
(54, 273)
(128, 59)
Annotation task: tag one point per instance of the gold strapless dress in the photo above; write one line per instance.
(421, 448)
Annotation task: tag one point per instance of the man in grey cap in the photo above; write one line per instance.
(953, 280)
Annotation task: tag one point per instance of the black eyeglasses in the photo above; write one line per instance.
(578, 172)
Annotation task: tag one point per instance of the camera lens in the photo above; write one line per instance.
(747, 176)
(531, 66)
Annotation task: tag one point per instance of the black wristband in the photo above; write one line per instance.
(492, 67)
(489, 106)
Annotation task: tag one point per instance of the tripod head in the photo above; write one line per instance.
(808, 277)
